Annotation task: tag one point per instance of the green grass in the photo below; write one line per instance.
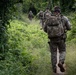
(27, 37)
(71, 59)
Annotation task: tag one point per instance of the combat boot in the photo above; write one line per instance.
(62, 69)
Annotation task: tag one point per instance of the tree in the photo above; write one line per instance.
(66, 4)
(6, 11)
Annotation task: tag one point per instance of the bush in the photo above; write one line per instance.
(18, 61)
(72, 33)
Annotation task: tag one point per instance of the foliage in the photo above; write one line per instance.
(18, 60)
(72, 33)
(8, 7)
(38, 5)
(27, 54)
(16, 63)
(42, 4)
(24, 40)
(6, 11)
(66, 5)
(22, 37)
(28, 46)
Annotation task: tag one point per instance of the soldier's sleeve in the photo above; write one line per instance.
(67, 23)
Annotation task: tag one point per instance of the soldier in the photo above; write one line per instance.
(30, 15)
(47, 13)
(40, 15)
(59, 41)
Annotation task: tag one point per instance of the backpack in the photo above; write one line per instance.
(47, 14)
(41, 14)
(54, 26)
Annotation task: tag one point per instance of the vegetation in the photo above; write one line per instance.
(6, 11)
(42, 4)
(72, 33)
(23, 45)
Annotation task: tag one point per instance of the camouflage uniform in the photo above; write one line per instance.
(30, 15)
(58, 43)
(40, 15)
(46, 13)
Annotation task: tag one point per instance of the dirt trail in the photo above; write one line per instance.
(58, 69)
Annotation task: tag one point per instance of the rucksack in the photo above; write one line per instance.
(54, 26)
(47, 14)
(41, 14)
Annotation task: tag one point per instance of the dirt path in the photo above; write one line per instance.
(58, 70)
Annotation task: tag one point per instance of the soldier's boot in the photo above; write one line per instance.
(62, 69)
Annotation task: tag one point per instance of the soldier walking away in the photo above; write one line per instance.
(30, 15)
(40, 15)
(56, 27)
(47, 13)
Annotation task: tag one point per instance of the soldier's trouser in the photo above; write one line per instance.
(42, 23)
(54, 45)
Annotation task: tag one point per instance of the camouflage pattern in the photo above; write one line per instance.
(30, 15)
(47, 13)
(43, 16)
(40, 15)
(59, 43)
(54, 26)
(66, 25)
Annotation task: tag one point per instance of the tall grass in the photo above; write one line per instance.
(27, 40)
(71, 59)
